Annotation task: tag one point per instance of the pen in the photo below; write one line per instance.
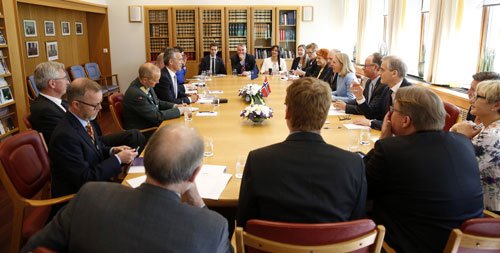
(206, 111)
(332, 127)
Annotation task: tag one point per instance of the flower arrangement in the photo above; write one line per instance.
(257, 113)
(251, 92)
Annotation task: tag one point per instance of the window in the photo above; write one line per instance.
(491, 45)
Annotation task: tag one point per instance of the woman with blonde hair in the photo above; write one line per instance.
(485, 136)
(343, 66)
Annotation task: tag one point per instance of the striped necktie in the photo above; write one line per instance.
(90, 131)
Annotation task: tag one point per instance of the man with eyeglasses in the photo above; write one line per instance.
(311, 66)
(49, 107)
(76, 154)
(371, 95)
(423, 181)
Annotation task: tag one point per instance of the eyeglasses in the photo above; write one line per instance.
(396, 110)
(91, 105)
(62, 78)
(476, 96)
(368, 65)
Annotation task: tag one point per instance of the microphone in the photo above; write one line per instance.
(219, 101)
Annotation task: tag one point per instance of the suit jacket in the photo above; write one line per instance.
(140, 111)
(295, 63)
(106, 217)
(44, 116)
(75, 160)
(311, 68)
(219, 65)
(249, 63)
(423, 185)
(325, 74)
(379, 91)
(302, 179)
(377, 111)
(165, 89)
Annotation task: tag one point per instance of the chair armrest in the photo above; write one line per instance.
(489, 214)
(47, 202)
(148, 129)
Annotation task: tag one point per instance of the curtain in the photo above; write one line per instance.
(346, 43)
(370, 28)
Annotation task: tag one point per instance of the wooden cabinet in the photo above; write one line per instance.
(158, 30)
(186, 35)
(287, 31)
(212, 31)
(237, 31)
(263, 32)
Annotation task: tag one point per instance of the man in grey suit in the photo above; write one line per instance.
(106, 217)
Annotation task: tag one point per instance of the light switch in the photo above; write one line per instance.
(105, 50)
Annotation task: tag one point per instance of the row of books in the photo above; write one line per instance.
(287, 53)
(4, 69)
(262, 53)
(158, 16)
(191, 56)
(208, 41)
(3, 41)
(237, 16)
(185, 29)
(287, 35)
(186, 43)
(213, 30)
(263, 31)
(158, 44)
(238, 29)
(234, 42)
(184, 16)
(7, 125)
(263, 16)
(157, 30)
(288, 18)
(212, 15)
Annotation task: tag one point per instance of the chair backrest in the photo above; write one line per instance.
(116, 107)
(273, 236)
(77, 71)
(28, 176)
(475, 235)
(32, 86)
(93, 70)
(26, 121)
(452, 113)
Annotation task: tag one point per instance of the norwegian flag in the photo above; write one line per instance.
(266, 88)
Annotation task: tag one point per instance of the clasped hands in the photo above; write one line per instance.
(125, 153)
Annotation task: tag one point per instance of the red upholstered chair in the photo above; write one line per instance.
(475, 235)
(269, 236)
(116, 107)
(24, 173)
(452, 113)
(26, 121)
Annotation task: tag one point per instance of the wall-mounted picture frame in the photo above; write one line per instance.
(307, 13)
(78, 28)
(135, 14)
(29, 28)
(65, 29)
(50, 28)
(6, 95)
(52, 51)
(32, 49)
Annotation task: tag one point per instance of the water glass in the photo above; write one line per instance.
(235, 72)
(365, 136)
(203, 75)
(188, 113)
(209, 146)
(353, 135)
(240, 166)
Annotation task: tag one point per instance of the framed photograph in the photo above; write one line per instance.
(50, 28)
(32, 48)
(6, 95)
(78, 28)
(52, 51)
(307, 13)
(65, 30)
(30, 28)
(135, 14)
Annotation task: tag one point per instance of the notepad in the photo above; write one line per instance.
(211, 181)
(135, 182)
(137, 166)
(205, 101)
(335, 112)
(355, 127)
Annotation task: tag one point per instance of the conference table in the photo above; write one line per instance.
(234, 136)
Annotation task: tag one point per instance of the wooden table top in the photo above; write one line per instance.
(234, 136)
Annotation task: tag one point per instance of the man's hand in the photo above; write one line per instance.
(118, 149)
(361, 121)
(242, 57)
(127, 156)
(467, 128)
(192, 197)
(194, 98)
(299, 72)
(339, 104)
(245, 73)
(386, 126)
(357, 89)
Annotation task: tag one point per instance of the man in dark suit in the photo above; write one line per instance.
(141, 108)
(168, 89)
(76, 155)
(392, 72)
(49, 107)
(374, 89)
(477, 78)
(333, 77)
(303, 179)
(243, 62)
(212, 63)
(105, 217)
(424, 182)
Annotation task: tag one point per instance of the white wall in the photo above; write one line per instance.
(127, 40)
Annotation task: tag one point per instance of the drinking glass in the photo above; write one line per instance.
(353, 136)
(209, 146)
(188, 113)
(240, 166)
(364, 136)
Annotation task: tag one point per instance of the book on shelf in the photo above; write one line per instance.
(4, 111)
(287, 35)
(6, 95)
(8, 124)
(288, 17)
(2, 39)
(3, 82)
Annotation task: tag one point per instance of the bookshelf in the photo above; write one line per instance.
(212, 30)
(262, 35)
(238, 24)
(185, 25)
(158, 30)
(9, 123)
(287, 31)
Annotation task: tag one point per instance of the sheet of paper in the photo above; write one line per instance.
(211, 185)
(205, 101)
(374, 139)
(136, 169)
(335, 112)
(207, 169)
(206, 114)
(191, 92)
(135, 182)
(354, 127)
(220, 75)
(216, 92)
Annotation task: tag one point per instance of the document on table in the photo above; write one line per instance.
(206, 114)
(335, 112)
(211, 181)
(355, 127)
(137, 166)
(205, 100)
(135, 182)
(215, 92)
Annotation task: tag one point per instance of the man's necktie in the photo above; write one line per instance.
(174, 83)
(90, 131)
(64, 104)
(389, 101)
(370, 91)
(213, 66)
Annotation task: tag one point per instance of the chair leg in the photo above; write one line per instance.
(17, 227)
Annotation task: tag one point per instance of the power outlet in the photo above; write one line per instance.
(105, 50)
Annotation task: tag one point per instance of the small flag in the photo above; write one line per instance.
(266, 88)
